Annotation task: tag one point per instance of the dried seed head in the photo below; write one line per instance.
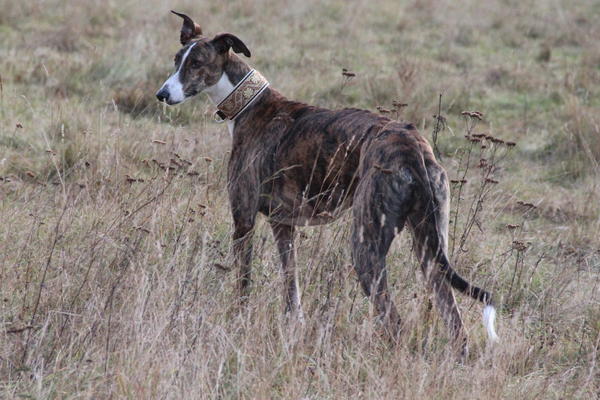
(519, 246)
(398, 105)
(473, 114)
(440, 118)
(346, 73)
(524, 204)
(129, 179)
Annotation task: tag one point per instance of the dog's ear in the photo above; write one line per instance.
(225, 41)
(189, 29)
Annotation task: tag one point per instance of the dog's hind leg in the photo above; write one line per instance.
(284, 236)
(369, 263)
(380, 206)
(429, 223)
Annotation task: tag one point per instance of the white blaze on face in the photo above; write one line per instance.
(173, 85)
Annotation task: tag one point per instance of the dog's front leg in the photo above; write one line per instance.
(242, 250)
(243, 187)
(244, 207)
(284, 236)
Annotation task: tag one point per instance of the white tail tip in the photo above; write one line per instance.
(489, 316)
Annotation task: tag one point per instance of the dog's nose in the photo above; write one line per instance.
(162, 95)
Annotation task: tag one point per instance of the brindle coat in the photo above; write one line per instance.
(302, 165)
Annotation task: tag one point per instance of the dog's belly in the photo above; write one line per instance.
(310, 186)
(300, 208)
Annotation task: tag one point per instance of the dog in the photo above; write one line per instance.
(303, 165)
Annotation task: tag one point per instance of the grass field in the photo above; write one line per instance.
(116, 279)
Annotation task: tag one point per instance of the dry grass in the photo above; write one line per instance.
(114, 249)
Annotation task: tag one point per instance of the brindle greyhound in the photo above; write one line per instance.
(301, 165)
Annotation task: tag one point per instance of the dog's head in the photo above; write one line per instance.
(199, 63)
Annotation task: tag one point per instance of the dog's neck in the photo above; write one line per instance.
(234, 71)
(221, 89)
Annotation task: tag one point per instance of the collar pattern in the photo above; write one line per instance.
(243, 94)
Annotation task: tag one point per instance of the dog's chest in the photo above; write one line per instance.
(230, 127)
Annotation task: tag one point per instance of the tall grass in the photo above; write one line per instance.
(116, 278)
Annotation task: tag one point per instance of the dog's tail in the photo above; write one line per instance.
(432, 233)
(459, 283)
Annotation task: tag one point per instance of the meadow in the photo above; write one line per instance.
(116, 273)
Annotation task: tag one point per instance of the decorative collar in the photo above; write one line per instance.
(242, 95)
